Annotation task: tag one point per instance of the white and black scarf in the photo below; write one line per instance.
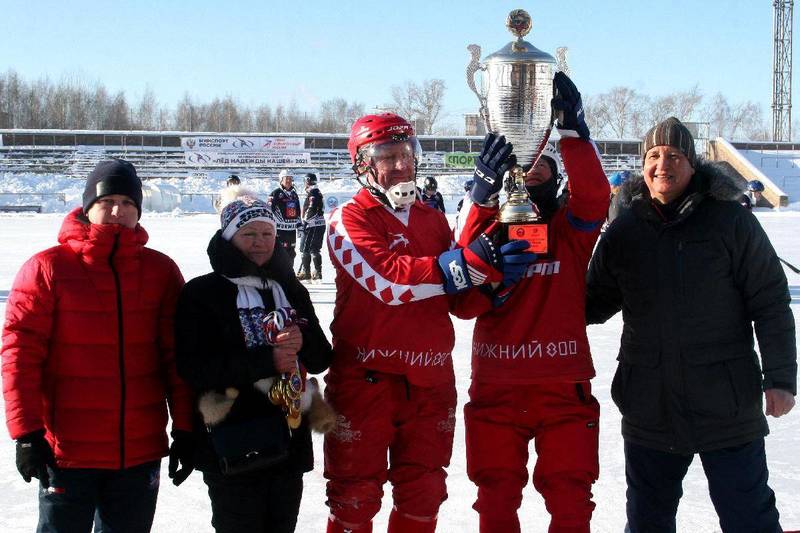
(251, 306)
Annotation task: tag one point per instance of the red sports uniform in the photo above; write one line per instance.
(389, 288)
(536, 342)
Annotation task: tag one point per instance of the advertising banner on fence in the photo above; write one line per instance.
(247, 144)
(432, 158)
(460, 160)
(240, 158)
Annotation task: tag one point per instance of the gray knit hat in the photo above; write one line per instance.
(670, 132)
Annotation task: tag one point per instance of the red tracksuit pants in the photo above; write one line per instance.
(380, 414)
(500, 421)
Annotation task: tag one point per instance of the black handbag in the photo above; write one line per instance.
(251, 444)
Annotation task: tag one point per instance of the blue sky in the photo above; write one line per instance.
(309, 51)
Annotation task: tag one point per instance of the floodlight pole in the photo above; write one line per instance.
(782, 70)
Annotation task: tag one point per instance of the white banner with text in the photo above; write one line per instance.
(247, 144)
(246, 158)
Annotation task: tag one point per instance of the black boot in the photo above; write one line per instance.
(305, 267)
(317, 265)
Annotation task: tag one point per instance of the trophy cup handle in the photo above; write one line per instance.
(561, 60)
(562, 66)
(473, 67)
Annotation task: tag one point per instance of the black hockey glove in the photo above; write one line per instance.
(567, 106)
(34, 455)
(181, 451)
(482, 261)
(494, 161)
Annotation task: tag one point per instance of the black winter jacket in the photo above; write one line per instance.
(690, 290)
(313, 206)
(210, 348)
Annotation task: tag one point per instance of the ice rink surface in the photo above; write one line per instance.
(187, 509)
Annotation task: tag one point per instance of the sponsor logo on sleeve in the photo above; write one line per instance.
(459, 279)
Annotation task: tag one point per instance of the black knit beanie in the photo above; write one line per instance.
(115, 176)
(670, 132)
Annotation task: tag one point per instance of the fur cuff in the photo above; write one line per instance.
(215, 406)
(321, 415)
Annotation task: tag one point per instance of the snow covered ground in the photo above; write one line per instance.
(781, 167)
(187, 509)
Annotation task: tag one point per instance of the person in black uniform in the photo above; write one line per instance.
(312, 230)
(750, 198)
(467, 187)
(286, 207)
(430, 196)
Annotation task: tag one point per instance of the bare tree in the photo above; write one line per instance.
(402, 100)
(280, 118)
(118, 116)
(263, 118)
(4, 115)
(429, 102)
(420, 104)
(687, 102)
(75, 104)
(746, 121)
(337, 115)
(57, 108)
(145, 116)
(185, 119)
(165, 119)
(620, 103)
(743, 121)
(595, 113)
(79, 106)
(681, 104)
(231, 116)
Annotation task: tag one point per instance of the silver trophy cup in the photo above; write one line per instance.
(516, 89)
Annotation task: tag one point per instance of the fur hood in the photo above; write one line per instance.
(712, 179)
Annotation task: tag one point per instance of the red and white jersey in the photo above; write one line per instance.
(539, 334)
(391, 313)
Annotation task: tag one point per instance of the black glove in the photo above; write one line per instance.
(34, 455)
(567, 106)
(181, 451)
(493, 162)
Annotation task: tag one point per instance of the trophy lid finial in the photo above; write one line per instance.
(519, 23)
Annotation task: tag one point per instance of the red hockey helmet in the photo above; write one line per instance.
(376, 128)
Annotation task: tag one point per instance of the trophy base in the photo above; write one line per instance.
(535, 233)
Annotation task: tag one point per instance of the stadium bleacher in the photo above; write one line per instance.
(160, 154)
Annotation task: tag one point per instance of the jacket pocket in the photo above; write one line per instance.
(722, 382)
(637, 388)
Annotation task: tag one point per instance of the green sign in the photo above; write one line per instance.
(460, 159)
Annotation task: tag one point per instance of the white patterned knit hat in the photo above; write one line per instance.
(243, 210)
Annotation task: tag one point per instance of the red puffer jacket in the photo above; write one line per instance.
(88, 348)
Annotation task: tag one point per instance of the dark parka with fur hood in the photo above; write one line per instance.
(690, 287)
(212, 354)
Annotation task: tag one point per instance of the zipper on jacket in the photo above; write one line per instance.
(121, 341)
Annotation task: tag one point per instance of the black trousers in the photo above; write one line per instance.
(255, 502)
(310, 246)
(115, 501)
(286, 240)
(737, 483)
